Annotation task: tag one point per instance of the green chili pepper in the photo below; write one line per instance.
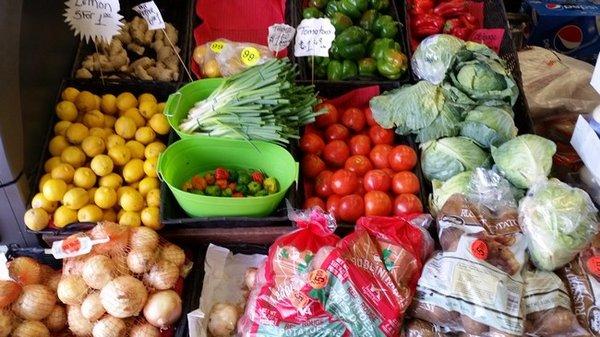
(311, 12)
(227, 192)
(349, 69)
(392, 64)
(271, 185)
(213, 191)
(261, 193)
(254, 187)
(317, 3)
(340, 21)
(334, 70)
(381, 45)
(243, 189)
(332, 7)
(379, 4)
(368, 19)
(243, 178)
(367, 66)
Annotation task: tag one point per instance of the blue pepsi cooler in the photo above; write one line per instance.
(571, 27)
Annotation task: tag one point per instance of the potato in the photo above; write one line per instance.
(473, 327)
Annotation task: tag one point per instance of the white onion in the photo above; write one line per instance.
(53, 280)
(124, 297)
(109, 327)
(57, 320)
(162, 275)
(72, 289)
(74, 266)
(143, 237)
(35, 303)
(222, 320)
(92, 308)
(172, 253)
(117, 234)
(139, 260)
(6, 323)
(98, 271)
(250, 278)
(25, 270)
(31, 329)
(78, 325)
(163, 308)
(120, 261)
(144, 330)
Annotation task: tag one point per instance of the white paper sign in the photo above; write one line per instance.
(314, 37)
(150, 12)
(94, 19)
(587, 144)
(280, 36)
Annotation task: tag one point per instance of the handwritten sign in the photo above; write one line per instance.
(150, 12)
(491, 37)
(280, 36)
(314, 37)
(94, 19)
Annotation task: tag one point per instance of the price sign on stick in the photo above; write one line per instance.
(314, 37)
(96, 20)
(280, 36)
(149, 11)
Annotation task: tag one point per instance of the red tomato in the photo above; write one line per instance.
(312, 128)
(323, 184)
(354, 119)
(369, 117)
(330, 116)
(313, 202)
(360, 144)
(309, 190)
(360, 190)
(351, 207)
(389, 171)
(333, 203)
(377, 203)
(336, 152)
(312, 143)
(358, 164)
(377, 180)
(405, 182)
(407, 204)
(337, 132)
(402, 158)
(380, 135)
(312, 165)
(344, 182)
(379, 155)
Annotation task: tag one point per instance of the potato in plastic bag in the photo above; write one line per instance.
(222, 57)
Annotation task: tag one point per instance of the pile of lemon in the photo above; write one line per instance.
(103, 164)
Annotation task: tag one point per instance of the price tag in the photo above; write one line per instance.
(149, 11)
(479, 249)
(280, 36)
(318, 278)
(250, 56)
(314, 37)
(217, 46)
(593, 265)
(491, 37)
(73, 246)
(98, 19)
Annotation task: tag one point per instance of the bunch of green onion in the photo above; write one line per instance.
(260, 103)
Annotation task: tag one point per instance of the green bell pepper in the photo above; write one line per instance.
(384, 26)
(369, 38)
(379, 5)
(254, 187)
(350, 43)
(340, 21)
(213, 191)
(332, 7)
(334, 70)
(271, 185)
(392, 64)
(368, 19)
(261, 193)
(349, 69)
(381, 45)
(227, 192)
(320, 67)
(350, 8)
(311, 12)
(318, 3)
(243, 178)
(367, 66)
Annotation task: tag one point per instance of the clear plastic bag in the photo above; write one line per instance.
(434, 55)
(420, 328)
(222, 57)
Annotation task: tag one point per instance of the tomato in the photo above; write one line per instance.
(323, 184)
(313, 202)
(333, 203)
(377, 180)
(407, 204)
(337, 132)
(354, 119)
(309, 190)
(380, 135)
(351, 207)
(377, 203)
(312, 165)
(369, 117)
(336, 152)
(405, 182)
(344, 182)
(379, 155)
(360, 144)
(359, 165)
(312, 128)
(389, 171)
(311, 143)
(402, 158)
(329, 117)
(360, 190)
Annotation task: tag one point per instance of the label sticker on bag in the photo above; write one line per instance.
(479, 249)
(217, 46)
(250, 56)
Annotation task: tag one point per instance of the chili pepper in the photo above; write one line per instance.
(227, 192)
(243, 178)
(334, 70)
(261, 193)
(379, 5)
(254, 187)
(367, 66)
(271, 185)
(427, 24)
(349, 69)
(238, 195)
(210, 178)
(380, 45)
(317, 3)
(198, 183)
(213, 190)
(243, 189)
(392, 64)
(311, 12)
(233, 175)
(451, 8)
(232, 186)
(340, 21)
(222, 183)
(221, 173)
(368, 19)
(332, 7)
(419, 7)
(258, 177)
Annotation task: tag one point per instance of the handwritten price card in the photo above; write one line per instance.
(280, 36)
(314, 37)
(149, 11)
(94, 19)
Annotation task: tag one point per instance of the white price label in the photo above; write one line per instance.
(150, 12)
(97, 19)
(314, 37)
(280, 36)
(587, 144)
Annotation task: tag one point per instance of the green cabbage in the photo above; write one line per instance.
(488, 125)
(443, 190)
(444, 158)
(434, 55)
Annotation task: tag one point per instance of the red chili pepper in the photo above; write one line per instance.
(427, 24)
(258, 177)
(199, 183)
(237, 195)
(222, 183)
(232, 186)
(221, 173)
(210, 178)
(451, 9)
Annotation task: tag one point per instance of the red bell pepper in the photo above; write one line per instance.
(450, 9)
(419, 7)
(427, 24)
(258, 177)
(221, 173)
(458, 28)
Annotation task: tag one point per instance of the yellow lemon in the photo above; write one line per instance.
(97, 132)
(69, 94)
(150, 167)
(108, 104)
(43, 180)
(160, 107)
(91, 193)
(136, 148)
(86, 101)
(63, 171)
(61, 127)
(134, 185)
(66, 111)
(131, 219)
(125, 127)
(145, 135)
(153, 198)
(108, 132)
(159, 124)
(148, 108)
(105, 197)
(101, 165)
(51, 163)
(122, 190)
(151, 217)
(131, 200)
(146, 97)
(84, 177)
(109, 215)
(90, 213)
(114, 140)
(133, 170)
(109, 121)
(154, 149)
(36, 219)
(93, 118)
(135, 115)
(120, 154)
(39, 201)
(112, 180)
(93, 146)
(54, 189)
(64, 216)
(76, 133)
(57, 144)
(148, 184)
(125, 101)
(73, 155)
(76, 198)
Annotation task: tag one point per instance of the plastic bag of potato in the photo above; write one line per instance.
(222, 57)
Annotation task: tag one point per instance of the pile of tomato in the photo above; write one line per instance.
(351, 166)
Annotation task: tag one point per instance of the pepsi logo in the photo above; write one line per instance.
(568, 38)
(553, 6)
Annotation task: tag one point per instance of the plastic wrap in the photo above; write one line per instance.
(420, 328)
(222, 57)
(559, 221)
(434, 55)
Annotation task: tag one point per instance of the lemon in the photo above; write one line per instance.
(36, 219)
(131, 200)
(136, 149)
(91, 193)
(109, 131)
(64, 216)
(134, 185)
(101, 165)
(86, 101)
(39, 201)
(135, 115)
(51, 163)
(154, 149)
(90, 213)
(73, 155)
(146, 97)
(153, 198)
(151, 217)
(125, 101)
(69, 94)
(66, 111)
(97, 132)
(125, 127)
(150, 167)
(160, 107)
(109, 121)
(77, 132)
(159, 124)
(114, 140)
(93, 118)
(105, 197)
(61, 127)
(109, 215)
(76, 198)
(148, 184)
(63, 171)
(112, 180)
(108, 104)
(93, 146)
(145, 135)
(121, 190)
(57, 144)
(54, 189)
(84, 177)
(133, 170)
(43, 180)
(120, 154)
(131, 219)
(148, 108)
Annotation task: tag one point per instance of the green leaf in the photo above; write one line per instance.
(447, 124)
(447, 157)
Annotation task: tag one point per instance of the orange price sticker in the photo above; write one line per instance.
(71, 245)
(299, 299)
(318, 278)
(479, 249)
(593, 265)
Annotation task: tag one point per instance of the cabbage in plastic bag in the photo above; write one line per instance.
(444, 158)
(434, 55)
